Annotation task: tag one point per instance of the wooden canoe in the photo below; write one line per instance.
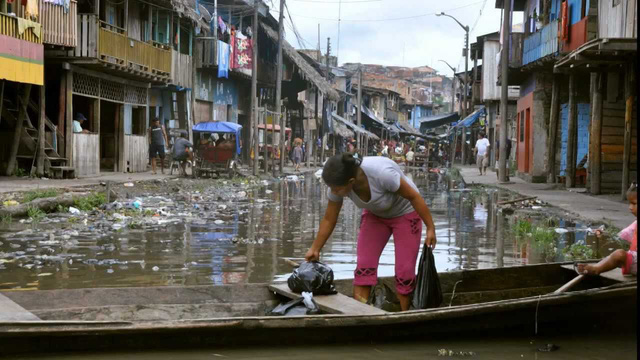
(234, 315)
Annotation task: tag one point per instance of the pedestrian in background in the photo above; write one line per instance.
(297, 155)
(482, 153)
(157, 141)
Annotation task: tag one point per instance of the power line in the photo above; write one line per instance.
(337, 2)
(388, 19)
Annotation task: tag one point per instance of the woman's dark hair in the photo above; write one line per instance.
(339, 169)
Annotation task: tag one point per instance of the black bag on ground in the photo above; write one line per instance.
(314, 277)
(295, 307)
(428, 293)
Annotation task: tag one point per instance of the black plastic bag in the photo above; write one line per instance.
(428, 293)
(314, 277)
(384, 298)
(296, 307)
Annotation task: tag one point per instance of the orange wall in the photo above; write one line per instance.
(577, 35)
(524, 149)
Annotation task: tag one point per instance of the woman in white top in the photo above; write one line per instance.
(392, 205)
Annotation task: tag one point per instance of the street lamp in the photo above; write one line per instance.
(453, 85)
(466, 62)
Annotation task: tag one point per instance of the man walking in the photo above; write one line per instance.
(157, 136)
(482, 152)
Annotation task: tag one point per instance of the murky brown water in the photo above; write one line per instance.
(249, 240)
(577, 346)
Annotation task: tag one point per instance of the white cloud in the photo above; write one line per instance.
(425, 39)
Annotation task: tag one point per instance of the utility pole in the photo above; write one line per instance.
(465, 110)
(254, 86)
(339, 21)
(326, 104)
(504, 89)
(278, 106)
(359, 111)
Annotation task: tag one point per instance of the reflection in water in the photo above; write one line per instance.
(244, 240)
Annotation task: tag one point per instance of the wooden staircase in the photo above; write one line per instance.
(55, 166)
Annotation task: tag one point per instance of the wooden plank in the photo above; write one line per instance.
(572, 133)
(85, 26)
(333, 304)
(615, 274)
(629, 94)
(10, 311)
(553, 128)
(596, 132)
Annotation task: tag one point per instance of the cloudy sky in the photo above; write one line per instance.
(391, 32)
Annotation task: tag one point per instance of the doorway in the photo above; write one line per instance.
(109, 149)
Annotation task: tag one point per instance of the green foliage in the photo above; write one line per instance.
(6, 219)
(62, 209)
(90, 202)
(522, 228)
(19, 172)
(38, 194)
(578, 252)
(73, 220)
(544, 239)
(35, 214)
(552, 221)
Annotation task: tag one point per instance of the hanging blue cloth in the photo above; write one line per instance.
(224, 50)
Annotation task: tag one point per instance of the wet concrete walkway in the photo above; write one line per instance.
(582, 205)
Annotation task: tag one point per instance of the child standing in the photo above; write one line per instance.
(297, 155)
(627, 260)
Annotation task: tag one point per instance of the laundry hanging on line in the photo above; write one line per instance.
(223, 59)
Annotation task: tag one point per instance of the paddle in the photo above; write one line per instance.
(291, 262)
(569, 285)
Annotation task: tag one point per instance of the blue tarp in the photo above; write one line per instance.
(471, 119)
(438, 120)
(223, 127)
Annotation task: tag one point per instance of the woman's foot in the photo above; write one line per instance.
(586, 269)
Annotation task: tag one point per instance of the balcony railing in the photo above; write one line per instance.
(208, 50)
(9, 27)
(541, 44)
(111, 44)
(58, 27)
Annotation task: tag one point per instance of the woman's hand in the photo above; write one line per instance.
(312, 255)
(431, 238)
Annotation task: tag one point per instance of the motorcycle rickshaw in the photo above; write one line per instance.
(216, 157)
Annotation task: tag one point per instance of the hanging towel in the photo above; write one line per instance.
(32, 9)
(222, 25)
(24, 24)
(242, 54)
(223, 59)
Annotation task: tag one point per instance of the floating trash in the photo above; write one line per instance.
(561, 231)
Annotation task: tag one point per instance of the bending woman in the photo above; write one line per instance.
(392, 205)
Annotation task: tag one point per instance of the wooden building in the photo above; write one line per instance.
(486, 90)
(609, 62)
(119, 64)
(551, 30)
(27, 138)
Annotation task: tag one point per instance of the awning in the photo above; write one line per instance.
(341, 129)
(217, 127)
(306, 71)
(471, 119)
(373, 117)
(270, 127)
(438, 120)
(354, 127)
(611, 52)
(407, 127)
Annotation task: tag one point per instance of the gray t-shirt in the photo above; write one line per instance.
(384, 180)
(180, 146)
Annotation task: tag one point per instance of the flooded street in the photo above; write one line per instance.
(243, 239)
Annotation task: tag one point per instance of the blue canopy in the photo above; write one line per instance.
(223, 127)
(218, 127)
(471, 119)
(438, 120)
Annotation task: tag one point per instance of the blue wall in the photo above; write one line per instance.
(575, 10)
(218, 91)
(584, 116)
(418, 113)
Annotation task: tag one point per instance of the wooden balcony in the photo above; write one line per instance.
(111, 46)
(59, 28)
(22, 53)
(9, 27)
(208, 53)
(541, 43)
(181, 69)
